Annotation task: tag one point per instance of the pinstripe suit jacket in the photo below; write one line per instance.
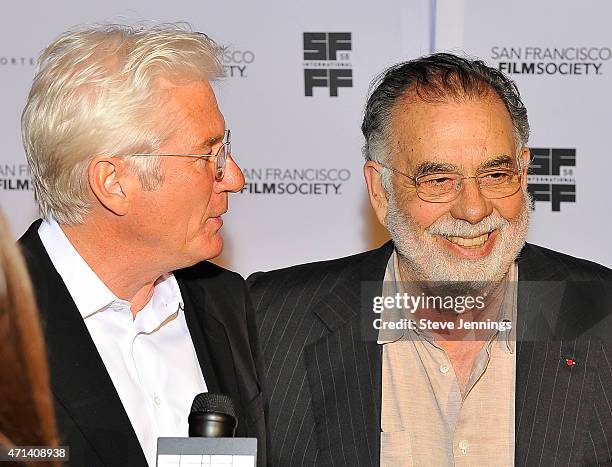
(323, 379)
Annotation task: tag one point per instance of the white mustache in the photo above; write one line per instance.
(450, 227)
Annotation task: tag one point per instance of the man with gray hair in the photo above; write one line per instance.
(456, 343)
(131, 164)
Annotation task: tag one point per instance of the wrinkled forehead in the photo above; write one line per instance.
(462, 132)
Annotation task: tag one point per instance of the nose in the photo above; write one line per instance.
(233, 178)
(470, 205)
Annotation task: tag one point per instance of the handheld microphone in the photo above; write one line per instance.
(212, 427)
(212, 416)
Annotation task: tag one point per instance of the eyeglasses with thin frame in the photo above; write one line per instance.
(444, 187)
(220, 156)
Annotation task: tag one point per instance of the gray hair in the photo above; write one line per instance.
(435, 78)
(97, 91)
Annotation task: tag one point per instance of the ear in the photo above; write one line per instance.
(376, 192)
(108, 182)
(524, 160)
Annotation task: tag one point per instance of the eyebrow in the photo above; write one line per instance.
(430, 167)
(497, 161)
(206, 143)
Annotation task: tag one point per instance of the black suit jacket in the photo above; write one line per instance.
(90, 416)
(323, 378)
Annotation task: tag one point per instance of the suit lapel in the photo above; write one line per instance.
(193, 315)
(79, 380)
(548, 389)
(344, 368)
(220, 351)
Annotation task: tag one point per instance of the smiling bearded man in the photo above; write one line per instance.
(445, 226)
(446, 171)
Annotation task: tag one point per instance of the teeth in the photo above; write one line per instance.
(469, 242)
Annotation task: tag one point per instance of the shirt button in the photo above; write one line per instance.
(444, 368)
(463, 446)
(157, 400)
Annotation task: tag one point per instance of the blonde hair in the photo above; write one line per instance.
(97, 91)
(26, 412)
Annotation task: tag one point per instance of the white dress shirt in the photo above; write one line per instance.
(150, 359)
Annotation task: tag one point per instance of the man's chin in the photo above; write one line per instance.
(216, 247)
(209, 248)
(444, 269)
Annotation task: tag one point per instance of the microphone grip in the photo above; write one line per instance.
(212, 425)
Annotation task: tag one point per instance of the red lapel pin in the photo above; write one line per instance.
(569, 361)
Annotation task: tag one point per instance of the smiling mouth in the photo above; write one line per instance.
(474, 242)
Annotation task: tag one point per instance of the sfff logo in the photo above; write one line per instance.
(327, 61)
(551, 176)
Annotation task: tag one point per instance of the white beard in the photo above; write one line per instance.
(423, 259)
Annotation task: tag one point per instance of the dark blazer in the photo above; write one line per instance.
(90, 416)
(323, 379)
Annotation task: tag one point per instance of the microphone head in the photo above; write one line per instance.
(210, 402)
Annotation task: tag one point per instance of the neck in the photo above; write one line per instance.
(117, 263)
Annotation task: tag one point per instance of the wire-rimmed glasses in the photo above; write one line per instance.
(443, 187)
(220, 156)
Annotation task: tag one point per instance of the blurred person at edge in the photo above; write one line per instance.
(26, 410)
(446, 165)
(131, 164)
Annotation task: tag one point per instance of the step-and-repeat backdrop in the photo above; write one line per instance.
(297, 75)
